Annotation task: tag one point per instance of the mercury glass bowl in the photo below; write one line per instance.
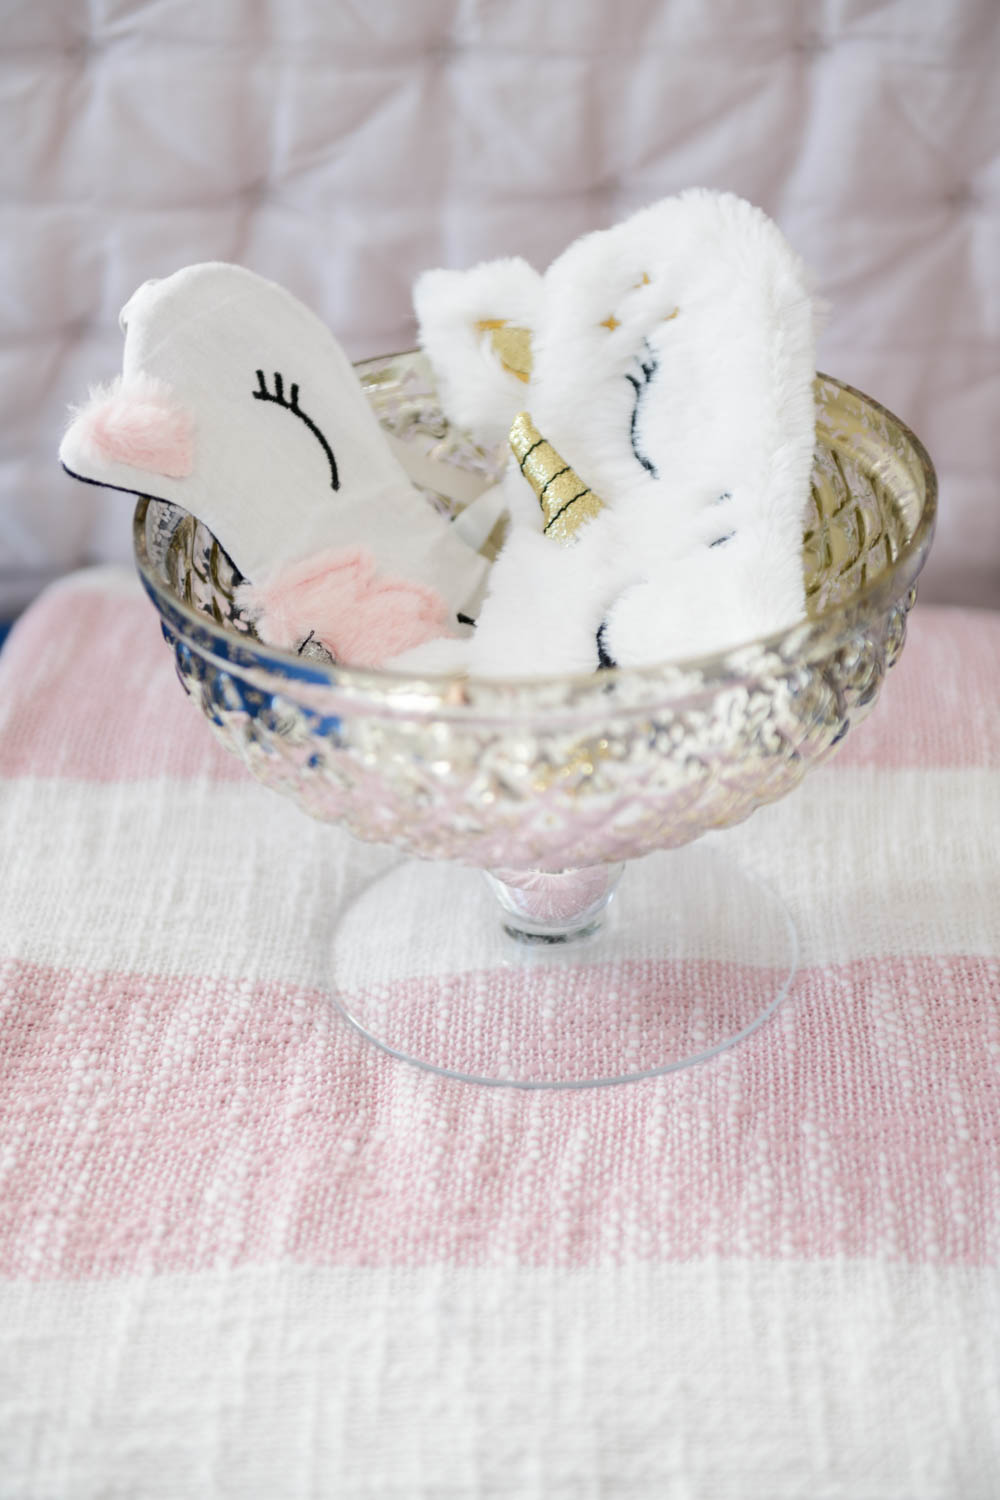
(550, 785)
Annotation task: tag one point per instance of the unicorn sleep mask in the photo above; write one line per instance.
(237, 403)
(657, 386)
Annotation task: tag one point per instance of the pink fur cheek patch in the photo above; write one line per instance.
(337, 596)
(138, 422)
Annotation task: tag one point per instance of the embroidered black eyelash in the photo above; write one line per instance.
(649, 369)
(292, 404)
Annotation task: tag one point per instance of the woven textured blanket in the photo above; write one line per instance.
(244, 1253)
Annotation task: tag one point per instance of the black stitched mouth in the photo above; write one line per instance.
(649, 368)
(604, 658)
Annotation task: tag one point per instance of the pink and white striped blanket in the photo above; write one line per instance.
(243, 1253)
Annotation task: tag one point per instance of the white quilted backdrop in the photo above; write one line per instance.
(341, 146)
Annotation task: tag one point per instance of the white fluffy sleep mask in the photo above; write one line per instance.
(237, 403)
(475, 328)
(667, 374)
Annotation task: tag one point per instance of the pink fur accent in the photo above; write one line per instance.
(137, 421)
(338, 596)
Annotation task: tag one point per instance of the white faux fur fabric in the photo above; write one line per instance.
(454, 310)
(673, 361)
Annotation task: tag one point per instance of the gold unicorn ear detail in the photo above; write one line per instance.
(567, 503)
(511, 345)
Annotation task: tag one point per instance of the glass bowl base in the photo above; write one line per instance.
(690, 958)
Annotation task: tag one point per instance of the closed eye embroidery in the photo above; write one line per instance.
(649, 369)
(292, 404)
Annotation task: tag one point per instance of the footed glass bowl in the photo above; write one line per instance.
(551, 784)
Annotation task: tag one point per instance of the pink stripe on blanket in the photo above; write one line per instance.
(172, 1124)
(90, 693)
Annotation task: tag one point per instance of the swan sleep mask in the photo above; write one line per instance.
(237, 403)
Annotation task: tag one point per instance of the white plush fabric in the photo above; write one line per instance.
(287, 457)
(454, 309)
(672, 370)
(341, 149)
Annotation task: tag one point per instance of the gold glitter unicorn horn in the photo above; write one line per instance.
(567, 503)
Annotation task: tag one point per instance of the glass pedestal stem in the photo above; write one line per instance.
(543, 907)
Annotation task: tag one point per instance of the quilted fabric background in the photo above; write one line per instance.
(342, 147)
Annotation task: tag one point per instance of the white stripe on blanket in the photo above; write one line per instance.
(837, 1381)
(230, 879)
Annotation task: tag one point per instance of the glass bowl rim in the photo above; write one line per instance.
(449, 692)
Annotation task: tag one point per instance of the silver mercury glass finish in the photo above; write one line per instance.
(560, 774)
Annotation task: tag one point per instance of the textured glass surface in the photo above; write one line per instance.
(554, 773)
